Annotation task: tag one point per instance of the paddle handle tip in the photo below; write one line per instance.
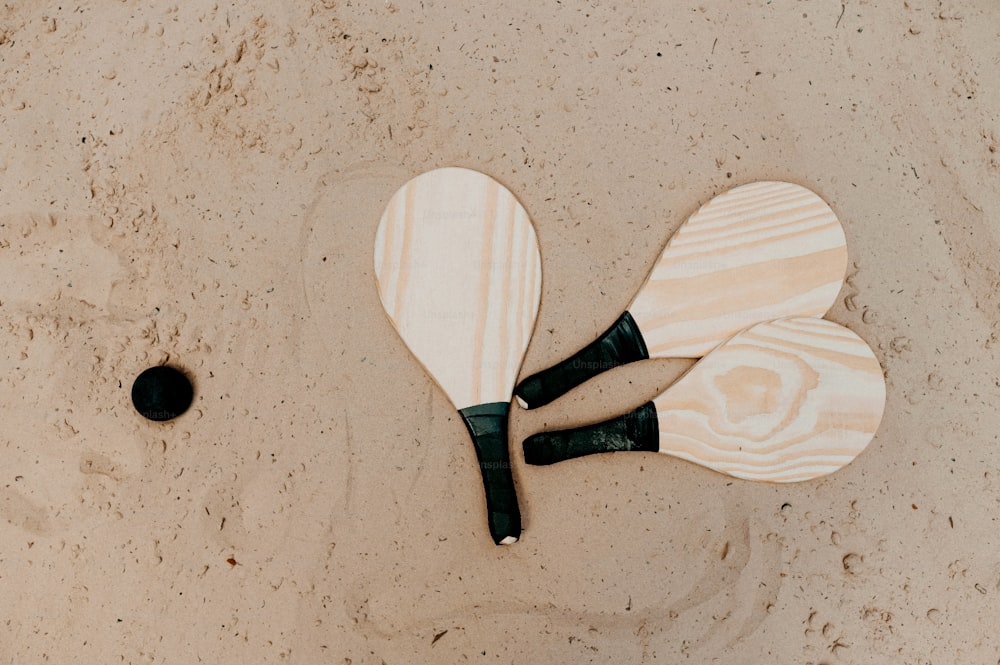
(620, 344)
(487, 424)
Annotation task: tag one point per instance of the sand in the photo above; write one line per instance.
(200, 182)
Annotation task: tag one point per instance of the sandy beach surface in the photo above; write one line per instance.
(200, 183)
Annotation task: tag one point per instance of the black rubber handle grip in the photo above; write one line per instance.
(637, 430)
(622, 343)
(487, 423)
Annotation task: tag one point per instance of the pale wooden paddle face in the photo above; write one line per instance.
(755, 253)
(459, 273)
(782, 401)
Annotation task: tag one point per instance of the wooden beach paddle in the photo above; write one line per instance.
(459, 274)
(783, 401)
(758, 252)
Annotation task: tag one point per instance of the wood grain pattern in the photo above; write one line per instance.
(783, 401)
(459, 273)
(755, 253)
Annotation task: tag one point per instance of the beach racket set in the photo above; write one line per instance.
(779, 394)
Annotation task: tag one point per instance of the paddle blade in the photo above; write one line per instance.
(759, 252)
(783, 401)
(459, 273)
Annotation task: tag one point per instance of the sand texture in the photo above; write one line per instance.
(201, 182)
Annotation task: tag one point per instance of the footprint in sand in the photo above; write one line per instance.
(44, 259)
(56, 279)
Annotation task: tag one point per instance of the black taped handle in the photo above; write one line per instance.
(487, 423)
(622, 343)
(637, 430)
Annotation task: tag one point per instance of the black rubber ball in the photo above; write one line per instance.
(161, 393)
